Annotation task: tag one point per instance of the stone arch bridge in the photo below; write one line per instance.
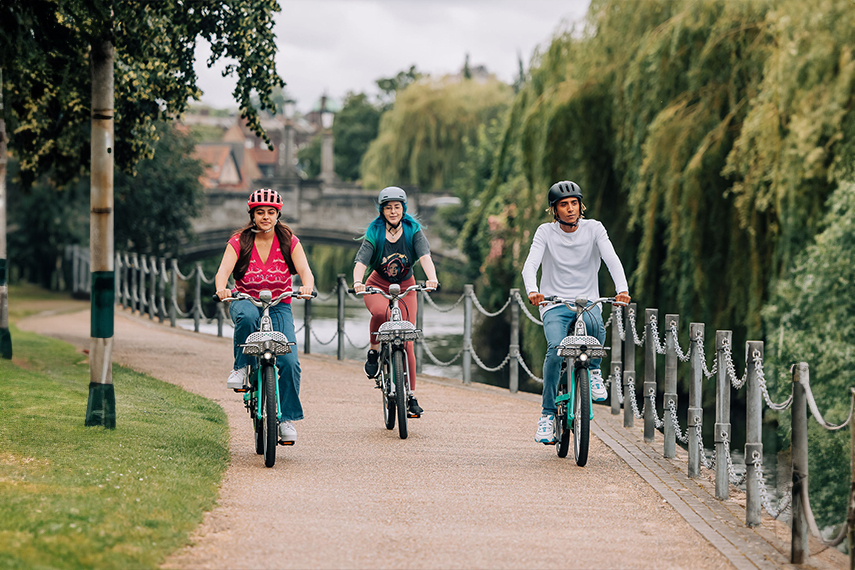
(319, 213)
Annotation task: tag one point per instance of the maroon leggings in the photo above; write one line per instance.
(379, 308)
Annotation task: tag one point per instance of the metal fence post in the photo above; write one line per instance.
(142, 285)
(468, 292)
(75, 267)
(342, 290)
(307, 326)
(420, 322)
(152, 290)
(126, 283)
(514, 364)
(722, 416)
(695, 418)
(616, 365)
(753, 434)
(197, 296)
(672, 322)
(799, 545)
(135, 282)
(629, 368)
(650, 316)
(117, 290)
(173, 294)
(161, 290)
(221, 317)
(850, 519)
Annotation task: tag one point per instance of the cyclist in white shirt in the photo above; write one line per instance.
(569, 250)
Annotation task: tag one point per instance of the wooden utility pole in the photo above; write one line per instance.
(101, 410)
(5, 337)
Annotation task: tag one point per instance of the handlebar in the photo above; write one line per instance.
(580, 304)
(369, 290)
(260, 302)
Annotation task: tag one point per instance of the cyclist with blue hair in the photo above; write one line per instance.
(392, 244)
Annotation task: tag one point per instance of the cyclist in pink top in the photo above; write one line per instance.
(264, 254)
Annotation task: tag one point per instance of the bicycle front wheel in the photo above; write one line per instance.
(386, 388)
(398, 357)
(562, 425)
(268, 420)
(582, 416)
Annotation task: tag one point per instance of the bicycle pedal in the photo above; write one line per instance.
(412, 415)
(281, 442)
(241, 390)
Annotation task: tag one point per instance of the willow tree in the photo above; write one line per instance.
(141, 55)
(420, 141)
(706, 135)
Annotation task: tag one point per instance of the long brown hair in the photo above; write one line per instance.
(247, 239)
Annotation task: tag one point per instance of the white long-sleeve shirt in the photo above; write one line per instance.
(571, 261)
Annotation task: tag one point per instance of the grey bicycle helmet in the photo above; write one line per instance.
(391, 194)
(563, 189)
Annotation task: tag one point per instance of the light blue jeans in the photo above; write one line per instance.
(246, 317)
(558, 323)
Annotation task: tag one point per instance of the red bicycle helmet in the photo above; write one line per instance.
(264, 197)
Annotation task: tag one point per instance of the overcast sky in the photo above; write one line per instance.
(336, 46)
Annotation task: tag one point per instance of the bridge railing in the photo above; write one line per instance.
(150, 286)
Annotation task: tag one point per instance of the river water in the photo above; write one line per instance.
(444, 335)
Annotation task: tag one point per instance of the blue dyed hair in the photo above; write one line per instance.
(375, 234)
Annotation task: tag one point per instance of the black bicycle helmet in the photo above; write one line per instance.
(563, 189)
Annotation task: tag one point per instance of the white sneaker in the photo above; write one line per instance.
(545, 430)
(598, 387)
(237, 379)
(287, 432)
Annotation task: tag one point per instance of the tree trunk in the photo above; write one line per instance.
(5, 337)
(101, 410)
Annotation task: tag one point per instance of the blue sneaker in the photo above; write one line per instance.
(598, 387)
(545, 430)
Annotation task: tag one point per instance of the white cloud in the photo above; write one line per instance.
(336, 46)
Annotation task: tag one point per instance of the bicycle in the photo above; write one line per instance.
(393, 379)
(575, 409)
(261, 393)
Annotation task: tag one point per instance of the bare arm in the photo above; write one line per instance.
(430, 271)
(227, 265)
(301, 264)
(359, 270)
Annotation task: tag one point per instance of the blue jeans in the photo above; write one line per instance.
(558, 323)
(246, 317)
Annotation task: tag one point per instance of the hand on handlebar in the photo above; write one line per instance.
(622, 299)
(306, 292)
(431, 284)
(358, 288)
(223, 294)
(535, 298)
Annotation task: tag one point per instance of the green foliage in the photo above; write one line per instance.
(705, 135)
(77, 497)
(44, 47)
(354, 128)
(421, 138)
(154, 207)
(391, 86)
(153, 210)
(811, 318)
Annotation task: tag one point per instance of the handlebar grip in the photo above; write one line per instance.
(351, 290)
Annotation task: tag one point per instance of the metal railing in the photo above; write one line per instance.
(150, 286)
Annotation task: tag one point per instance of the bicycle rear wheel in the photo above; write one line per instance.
(385, 387)
(398, 357)
(582, 416)
(562, 428)
(269, 422)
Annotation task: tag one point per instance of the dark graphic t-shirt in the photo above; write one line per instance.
(397, 262)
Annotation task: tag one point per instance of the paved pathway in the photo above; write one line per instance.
(468, 489)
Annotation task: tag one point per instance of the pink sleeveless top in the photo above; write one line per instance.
(272, 274)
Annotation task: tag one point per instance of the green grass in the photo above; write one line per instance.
(77, 497)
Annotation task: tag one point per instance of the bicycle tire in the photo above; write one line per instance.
(562, 427)
(398, 357)
(268, 419)
(385, 388)
(582, 413)
(256, 423)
